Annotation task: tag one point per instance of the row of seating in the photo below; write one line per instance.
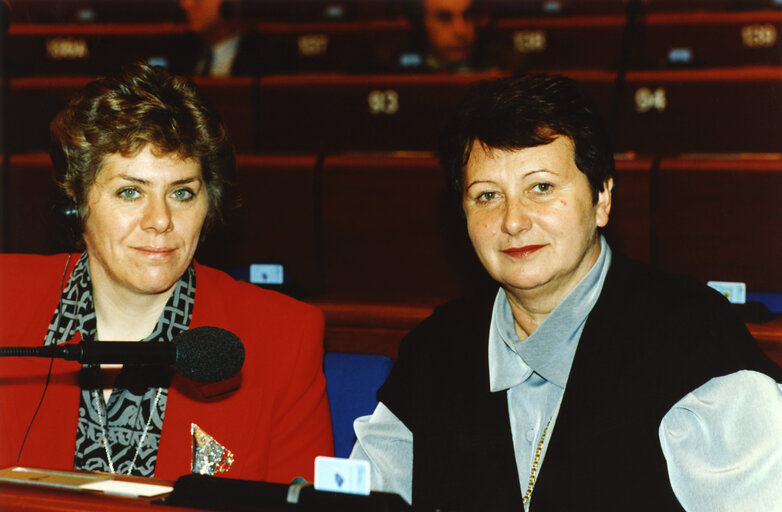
(510, 8)
(731, 110)
(692, 39)
(366, 228)
(656, 40)
(108, 11)
(123, 11)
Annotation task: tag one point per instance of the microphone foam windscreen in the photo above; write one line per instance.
(208, 354)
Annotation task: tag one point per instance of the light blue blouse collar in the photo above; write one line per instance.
(550, 349)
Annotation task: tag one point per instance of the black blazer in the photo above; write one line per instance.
(650, 339)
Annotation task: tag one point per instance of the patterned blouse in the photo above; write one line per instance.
(123, 435)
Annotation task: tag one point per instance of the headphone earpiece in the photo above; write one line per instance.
(67, 213)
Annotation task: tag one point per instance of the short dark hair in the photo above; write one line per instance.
(527, 111)
(141, 106)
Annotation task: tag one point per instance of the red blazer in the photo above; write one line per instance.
(275, 421)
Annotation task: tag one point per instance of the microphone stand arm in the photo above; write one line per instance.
(102, 352)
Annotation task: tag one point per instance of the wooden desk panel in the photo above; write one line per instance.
(769, 337)
(28, 498)
(370, 327)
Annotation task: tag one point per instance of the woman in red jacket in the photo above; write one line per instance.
(147, 166)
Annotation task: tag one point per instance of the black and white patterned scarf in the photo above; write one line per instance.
(123, 435)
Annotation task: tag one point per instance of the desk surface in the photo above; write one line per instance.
(23, 498)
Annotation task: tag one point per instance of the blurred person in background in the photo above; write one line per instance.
(227, 46)
(446, 35)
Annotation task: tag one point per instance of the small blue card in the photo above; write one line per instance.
(734, 291)
(266, 273)
(342, 475)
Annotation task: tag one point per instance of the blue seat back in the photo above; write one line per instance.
(352, 380)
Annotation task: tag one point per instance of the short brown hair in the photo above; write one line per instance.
(522, 112)
(141, 105)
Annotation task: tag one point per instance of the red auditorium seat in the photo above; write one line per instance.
(337, 113)
(725, 110)
(29, 195)
(34, 49)
(720, 219)
(277, 221)
(34, 101)
(348, 47)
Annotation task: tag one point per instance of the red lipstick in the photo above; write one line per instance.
(522, 252)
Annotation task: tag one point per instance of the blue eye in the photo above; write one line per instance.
(183, 194)
(128, 193)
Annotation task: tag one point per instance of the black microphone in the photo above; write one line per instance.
(203, 354)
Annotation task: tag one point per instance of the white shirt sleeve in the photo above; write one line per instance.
(384, 441)
(723, 445)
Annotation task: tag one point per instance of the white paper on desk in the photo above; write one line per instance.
(133, 489)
